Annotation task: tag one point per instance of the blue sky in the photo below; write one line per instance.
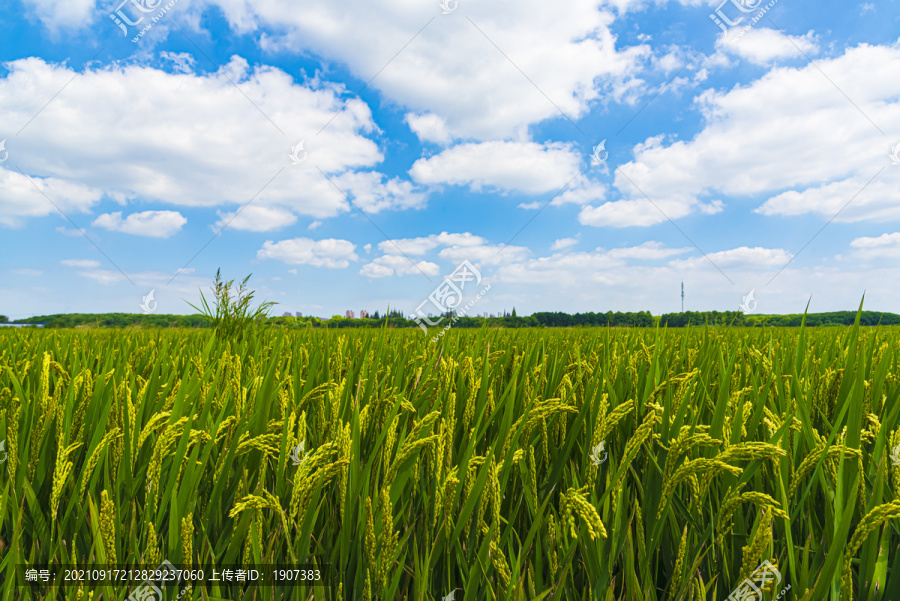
(351, 155)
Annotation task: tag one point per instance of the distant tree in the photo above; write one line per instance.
(514, 312)
(4, 319)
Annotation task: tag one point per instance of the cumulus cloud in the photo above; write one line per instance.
(521, 166)
(420, 246)
(62, 14)
(741, 258)
(257, 219)
(154, 224)
(458, 68)
(762, 46)
(330, 252)
(488, 254)
(564, 243)
(82, 263)
(776, 137)
(118, 129)
(389, 265)
(36, 196)
(647, 251)
(429, 127)
(857, 198)
(372, 192)
(885, 246)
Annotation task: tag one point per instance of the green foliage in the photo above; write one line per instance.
(472, 464)
(618, 319)
(232, 314)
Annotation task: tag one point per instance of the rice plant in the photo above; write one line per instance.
(231, 313)
(493, 464)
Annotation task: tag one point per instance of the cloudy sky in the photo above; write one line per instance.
(352, 154)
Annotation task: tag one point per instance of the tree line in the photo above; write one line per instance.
(396, 319)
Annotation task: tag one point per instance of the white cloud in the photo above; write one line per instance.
(22, 198)
(257, 219)
(457, 248)
(372, 192)
(330, 252)
(154, 224)
(885, 246)
(565, 271)
(521, 166)
(82, 263)
(581, 191)
(102, 276)
(597, 281)
(789, 134)
(62, 14)
(762, 46)
(574, 269)
(496, 254)
(28, 271)
(739, 258)
(116, 129)
(420, 246)
(457, 69)
(646, 251)
(389, 265)
(638, 212)
(845, 201)
(182, 62)
(563, 243)
(429, 128)
(314, 225)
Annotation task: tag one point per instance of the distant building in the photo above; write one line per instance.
(350, 314)
(286, 314)
(363, 313)
(299, 314)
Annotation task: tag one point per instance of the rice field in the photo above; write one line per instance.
(495, 464)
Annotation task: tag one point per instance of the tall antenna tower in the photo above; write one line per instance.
(682, 297)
